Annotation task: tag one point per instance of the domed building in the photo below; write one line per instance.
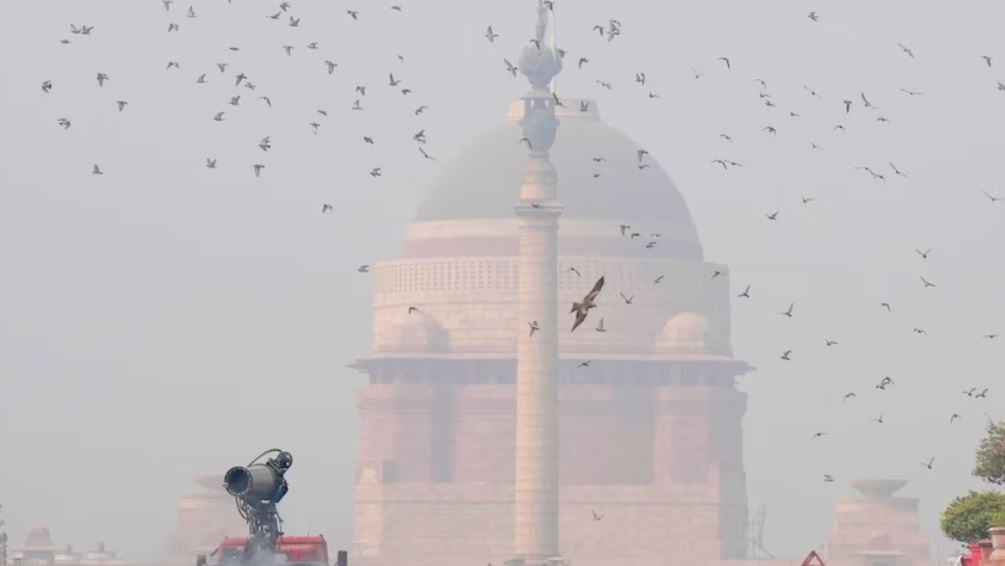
(650, 434)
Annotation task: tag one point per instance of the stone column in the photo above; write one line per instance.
(536, 519)
(536, 473)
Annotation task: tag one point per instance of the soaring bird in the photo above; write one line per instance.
(597, 516)
(64, 122)
(331, 66)
(600, 326)
(202, 79)
(987, 60)
(818, 435)
(886, 306)
(813, 16)
(786, 355)
(491, 35)
(897, 171)
(46, 86)
(907, 50)
(627, 300)
(210, 163)
(392, 80)
(102, 78)
(847, 105)
(866, 100)
(97, 170)
(726, 61)
(218, 117)
(848, 396)
(929, 463)
(911, 92)
(363, 269)
(991, 336)
(828, 478)
(510, 67)
(745, 294)
(927, 283)
(533, 328)
(426, 155)
(375, 172)
(830, 343)
(583, 308)
(880, 419)
(659, 279)
(772, 215)
(924, 254)
(121, 104)
(325, 207)
(265, 144)
(294, 22)
(420, 110)
(884, 383)
(955, 417)
(584, 364)
(258, 169)
(991, 197)
(583, 61)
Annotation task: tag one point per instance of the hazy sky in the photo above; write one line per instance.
(149, 317)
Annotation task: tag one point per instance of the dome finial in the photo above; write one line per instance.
(539, 62)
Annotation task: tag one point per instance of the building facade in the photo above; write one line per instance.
(650, 433)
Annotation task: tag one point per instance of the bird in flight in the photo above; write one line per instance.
(991, 197)
(597, 516)
(848, 396)
(331, 66)
(627, 300)
(828, 478)
(880, 419)
(911, 92)
(375, 172)
(325, 207)
(600, 326)
(576, 271)
(258, 169)
(818, 435)
(583, 61)
(772, 215)
(121, 104)
(97, 170)
(866, 101)
(46, 86)
(491, 35)
(786, 355)
(745, 294)
(64, 122)
(589, 302)
(363, 269)
(987, 60)
(953, 418)
(659, 279)
(533, 328)
(102, 78)
(897, 171)
(726, 61)
(991, 336)
(294, 22)
(210, 163)
(807, 200)
(813, 16)
(829, 343)
(929, 463)
(265, 144)
(847, 106)
(924, 254)
(926, 282)
(884, 383)
(907, 50)
(218, 117)
(886, 306)
(716, 274)
(770, 130)
(511, 67)
(584, 364)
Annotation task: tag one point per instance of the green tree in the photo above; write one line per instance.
(968, 518)
(990, 465)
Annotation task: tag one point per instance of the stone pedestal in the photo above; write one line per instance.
(877, 528)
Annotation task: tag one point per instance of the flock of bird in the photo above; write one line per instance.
(243, 88)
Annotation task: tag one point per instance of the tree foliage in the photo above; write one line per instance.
(968, 519)
(990, 465)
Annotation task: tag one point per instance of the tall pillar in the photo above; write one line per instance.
(536, 490)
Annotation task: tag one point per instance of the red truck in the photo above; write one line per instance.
(298, 550)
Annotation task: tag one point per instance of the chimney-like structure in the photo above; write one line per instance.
(536, 490)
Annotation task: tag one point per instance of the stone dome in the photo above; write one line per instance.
(482, 182)
(690, 333)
